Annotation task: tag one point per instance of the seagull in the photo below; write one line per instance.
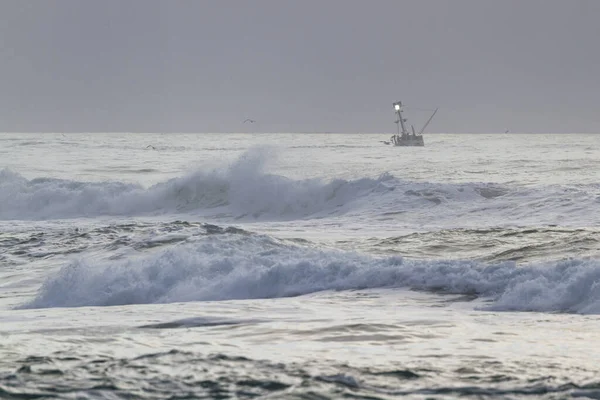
(152, 147)
(249, 120)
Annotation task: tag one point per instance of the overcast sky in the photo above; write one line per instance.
(299, 65)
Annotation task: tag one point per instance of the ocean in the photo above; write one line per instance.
(300, 266)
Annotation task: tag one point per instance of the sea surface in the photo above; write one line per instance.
(300, 266)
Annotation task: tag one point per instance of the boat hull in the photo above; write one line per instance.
(408, 141)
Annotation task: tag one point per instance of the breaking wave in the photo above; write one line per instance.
(230, 266)
(240, 190)
(244, 191)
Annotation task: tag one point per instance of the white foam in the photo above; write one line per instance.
(225, 267)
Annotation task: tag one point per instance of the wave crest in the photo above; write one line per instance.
(239, 190)
(227, 267)
(243, 190)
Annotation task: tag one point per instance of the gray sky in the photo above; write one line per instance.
(299, 65)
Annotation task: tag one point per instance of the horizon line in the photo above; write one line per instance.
(288, 133)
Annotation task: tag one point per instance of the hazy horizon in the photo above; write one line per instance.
(332, 66)
(390, 132)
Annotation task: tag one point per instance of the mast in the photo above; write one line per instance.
(401, 120)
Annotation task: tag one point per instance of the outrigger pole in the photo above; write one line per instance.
(427, 123)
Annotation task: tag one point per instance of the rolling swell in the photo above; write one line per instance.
(233, 266)
(30, 243)
(490, 244)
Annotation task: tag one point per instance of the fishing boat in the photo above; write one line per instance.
(403, 137)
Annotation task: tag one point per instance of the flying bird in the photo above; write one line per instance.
(249, 120)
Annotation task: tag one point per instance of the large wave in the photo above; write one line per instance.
(233, 266)
(243, 190)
